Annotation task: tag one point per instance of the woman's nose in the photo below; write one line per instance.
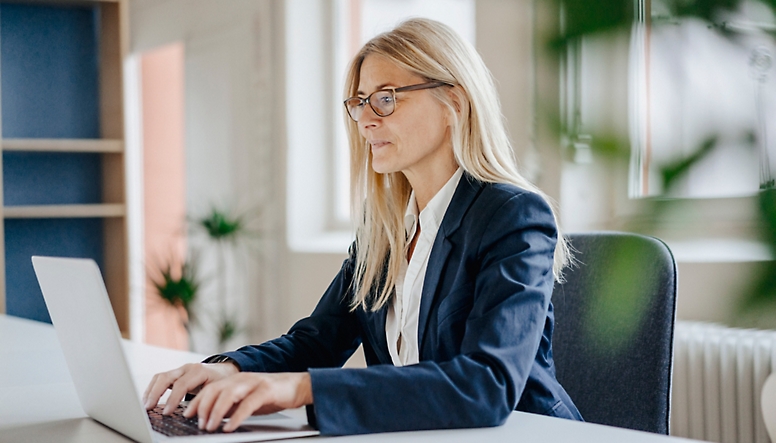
(368, 117)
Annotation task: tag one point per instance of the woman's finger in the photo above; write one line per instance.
(203, 403)
(221, 406)
(159, 384)
(245, 409)
(243, 394)
(233, 393)
(148, 388)
(189, 381)
(191, 408)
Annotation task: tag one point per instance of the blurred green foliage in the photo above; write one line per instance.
(674, 171)
(225, 231)
(178, 288)
(181, 285)
(615, 313)
(763, 291)
(220, 225)
(704, 9)
(227, 329)
(582, 18)
(588, 17)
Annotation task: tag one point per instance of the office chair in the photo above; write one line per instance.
(614, 329)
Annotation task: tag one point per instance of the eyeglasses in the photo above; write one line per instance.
(383, 102)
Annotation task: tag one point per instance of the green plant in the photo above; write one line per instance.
(227, 329)
(590, 17)
(221, 226)
(226, 232)
(179, 289)
(762, 293)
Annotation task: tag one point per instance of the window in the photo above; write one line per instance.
(661, 89)
(694, 84)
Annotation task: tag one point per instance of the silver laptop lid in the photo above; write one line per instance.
(80, 310)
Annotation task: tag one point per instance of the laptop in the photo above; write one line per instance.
(81, 312)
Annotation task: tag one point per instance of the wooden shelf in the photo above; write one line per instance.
(63, 145)
(104, 210)
(67, 2)
(71, 104)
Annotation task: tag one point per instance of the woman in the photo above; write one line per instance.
(448, 283)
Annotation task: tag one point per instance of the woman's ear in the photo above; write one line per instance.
(457, 98)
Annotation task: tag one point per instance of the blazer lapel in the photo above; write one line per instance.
(376, 321)
(468, 188)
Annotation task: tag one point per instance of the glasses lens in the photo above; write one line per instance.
(355, 107)
(382, 102)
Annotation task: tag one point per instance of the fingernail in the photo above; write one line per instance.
(201, 423)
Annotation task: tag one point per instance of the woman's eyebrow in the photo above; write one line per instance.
(360, 92)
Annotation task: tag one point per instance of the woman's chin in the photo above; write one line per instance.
(382, 168)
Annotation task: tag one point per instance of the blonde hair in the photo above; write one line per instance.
(481, 147)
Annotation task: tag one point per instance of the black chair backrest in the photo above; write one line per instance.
(614, 329)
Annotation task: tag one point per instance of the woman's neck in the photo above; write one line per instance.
(427, 181)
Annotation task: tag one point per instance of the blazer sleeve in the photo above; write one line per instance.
(327, 338)
(482, 385)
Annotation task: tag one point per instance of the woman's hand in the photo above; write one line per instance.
(248, 393)
(187, 378)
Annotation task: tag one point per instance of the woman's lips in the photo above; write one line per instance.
(377, 144)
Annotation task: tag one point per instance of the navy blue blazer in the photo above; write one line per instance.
(484, 330)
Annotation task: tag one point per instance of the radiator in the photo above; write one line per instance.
(718, 376)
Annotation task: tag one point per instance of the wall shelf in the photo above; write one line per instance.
(65, 2)
(63, 145)
(104, 210)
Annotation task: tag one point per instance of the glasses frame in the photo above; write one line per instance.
(393, 91)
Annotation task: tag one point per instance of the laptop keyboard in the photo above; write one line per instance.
(178, 425)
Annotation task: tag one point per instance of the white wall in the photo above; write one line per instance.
(233, 146)
(505, 40)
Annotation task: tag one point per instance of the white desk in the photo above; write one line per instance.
(38, 402)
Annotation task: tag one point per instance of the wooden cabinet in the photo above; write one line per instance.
(63, 184)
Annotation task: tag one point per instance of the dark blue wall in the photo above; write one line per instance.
(75, 237)
(49, 71)
(43, 178)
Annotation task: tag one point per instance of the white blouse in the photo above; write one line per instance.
(401, 325)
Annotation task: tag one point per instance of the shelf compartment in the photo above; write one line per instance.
(50, 71)
(74, 237)
(105, 210)
(86, 145)
(62, 145)
(53, 178)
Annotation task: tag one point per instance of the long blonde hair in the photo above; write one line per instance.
(481, 147)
